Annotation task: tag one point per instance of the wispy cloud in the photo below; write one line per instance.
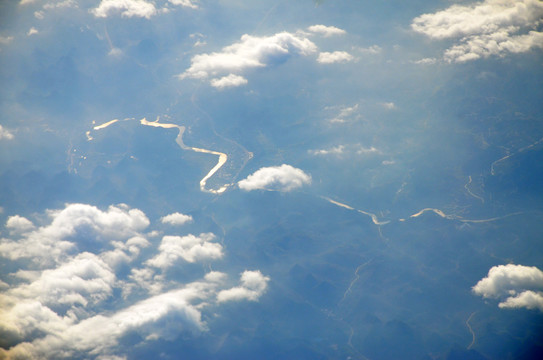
(345, 150)
(346, 114)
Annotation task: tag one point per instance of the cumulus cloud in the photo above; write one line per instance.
(19, 224)
(127, 8)
(249, 52)
(76, 221)
(189, 248)
(491, 27)
(497, 43)
(281, 178)
(515, 285)
(64, 309)
(334, 57)
(253, 285)
(176, 219)
(82, 280)
(228, 81)
(326, 31)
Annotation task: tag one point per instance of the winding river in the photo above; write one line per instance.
(223, 158)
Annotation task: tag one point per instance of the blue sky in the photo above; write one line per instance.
(235, 179)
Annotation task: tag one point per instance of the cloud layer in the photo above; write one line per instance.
(281, 178)
(516, 286)
(61, 305)
(491, 27)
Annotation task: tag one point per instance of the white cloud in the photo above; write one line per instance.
(250, 52)
(159, 316)
(326, 31)
(124, 252)
(84, 279)
(5, 133)
(520, 286)
(527, 299)
(334, 57)
(497, 43)
(189, 248)
(32, 31)
(483, 17)
(127, 8)
(253, 285)
(282, 178)
(176, 219)
(65, 310)
(491, 27)
(228, 81)
(18, 224)
(76, 221)
(184, 3)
